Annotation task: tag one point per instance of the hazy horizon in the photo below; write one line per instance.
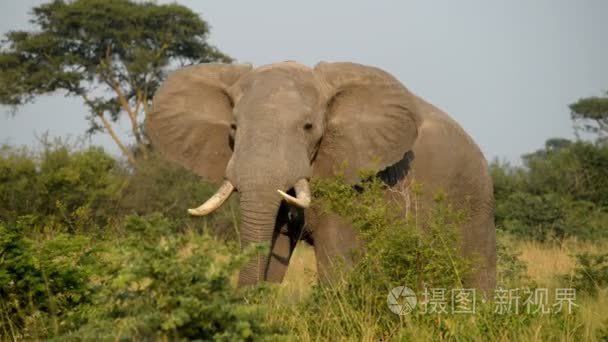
(506, 71)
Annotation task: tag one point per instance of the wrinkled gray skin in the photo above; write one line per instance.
(362, 118)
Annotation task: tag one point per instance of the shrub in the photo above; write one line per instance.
(511, 271)
(40, 281)
(56, 182)
(559, 193)
(59, 188)
(418, 255)
(162, 284)
(550, 216)
(401, 249)
(398, 251)
(158, 186)
(151, 279)
(579, 170)
(591, 272)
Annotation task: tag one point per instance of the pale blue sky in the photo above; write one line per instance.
(505, 70)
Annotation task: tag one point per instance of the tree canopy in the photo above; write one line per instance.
(112, 54)
(592, 113)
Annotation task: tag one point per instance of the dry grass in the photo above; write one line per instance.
(547, 263)
(301, 274)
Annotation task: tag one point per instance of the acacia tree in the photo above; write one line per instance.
(112, 54)
(592, 114)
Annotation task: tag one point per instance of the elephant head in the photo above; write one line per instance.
(265, 132)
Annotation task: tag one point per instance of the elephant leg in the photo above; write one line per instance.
(479, 246)
(335, 244)
(282, 248)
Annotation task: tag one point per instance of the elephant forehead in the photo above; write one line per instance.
(279, 101)
(279, 89)
(279, 75)
(286, 65)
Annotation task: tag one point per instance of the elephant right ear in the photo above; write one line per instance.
(189, 122)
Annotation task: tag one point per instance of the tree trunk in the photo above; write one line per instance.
(121, 146)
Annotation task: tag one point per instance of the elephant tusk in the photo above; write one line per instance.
(220, 196)
(302, 198)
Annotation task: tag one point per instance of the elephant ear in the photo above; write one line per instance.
(190, 118)
(371, 121)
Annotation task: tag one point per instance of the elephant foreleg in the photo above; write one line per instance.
(335, 244)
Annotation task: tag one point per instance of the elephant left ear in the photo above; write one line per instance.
(371, 121)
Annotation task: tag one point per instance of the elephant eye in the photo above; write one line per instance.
(308, 126)
(233, 126)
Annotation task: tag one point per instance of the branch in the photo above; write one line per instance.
(109, 129)
(112, 133)
(124, 103)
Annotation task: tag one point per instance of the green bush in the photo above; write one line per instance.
(578, 170)
(163, 284)
(591, 272)
(398, 251)
(550, 216)
(51, 185)
(158, 186)
(560, 192)
(511, 271)
(420, 255)
(150, 279)
(60, 188)
(398, 248)
(40, 281)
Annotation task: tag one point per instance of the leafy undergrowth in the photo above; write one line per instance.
(91, 251)
(150, 282)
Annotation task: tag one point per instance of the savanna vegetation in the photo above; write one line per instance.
(94, 247)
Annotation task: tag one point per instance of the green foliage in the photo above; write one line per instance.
(62, 189)
(424, 252)
(157, 186)
(168, 285)
(579, 170)
(398, 251)
(550, 216)
(59, 186)
(511, 271)
(560, 192)
(151, 276)
(101, 41)
(591, 272)
(418, 255)
(74, 264)
(111, 54)
(602, 334)
(41, 280)
(592, 114)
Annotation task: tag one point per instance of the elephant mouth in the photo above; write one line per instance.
(290, 218)
(299, 196)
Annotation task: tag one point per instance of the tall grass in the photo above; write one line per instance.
(545, 263)
(355, 307)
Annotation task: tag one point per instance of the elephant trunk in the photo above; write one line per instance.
(259, 210)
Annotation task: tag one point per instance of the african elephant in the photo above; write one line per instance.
(259, 130)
